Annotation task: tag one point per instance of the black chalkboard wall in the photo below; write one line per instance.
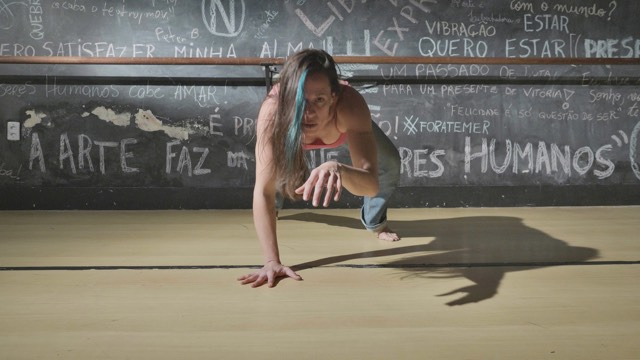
(182, 136)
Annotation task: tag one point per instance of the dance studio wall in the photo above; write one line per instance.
(183, 136)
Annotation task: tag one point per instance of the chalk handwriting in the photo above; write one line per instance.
(184, 160)
(243, 126)
(610, 80)
(536, 47)
(388, 39)
(271, 15)
(85, 144)
(411, 111)
(628, 47)
(542, 158)
(634, 110)
(608, 96)
(53, 89)
(202, 95)
(90, 49)
(17, 90)
(191, 51)
(35, 20)
(350, 46)
(237, 159)
(467, 3)
(538, 23)
(167, 35)
(460, 29)
(412, 125)
(154, 15)
(10, 173)
(9, 49)
(423, 161)
(440, 71)
(586, 10)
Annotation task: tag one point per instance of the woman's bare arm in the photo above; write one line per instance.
(361, 178)
(264, 212)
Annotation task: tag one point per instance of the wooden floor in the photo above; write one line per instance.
(510, 283)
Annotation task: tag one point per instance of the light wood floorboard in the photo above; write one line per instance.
(493, 283)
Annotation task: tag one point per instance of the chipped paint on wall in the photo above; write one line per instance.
(34, 119)
(146, 121)
(108, 115)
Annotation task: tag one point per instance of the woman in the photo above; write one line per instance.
(308, 109)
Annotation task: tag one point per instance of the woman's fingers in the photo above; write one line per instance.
(261, 279)
(338, 188)
(321, 179)
(331, 182)
(271, 278)
(308, 186)
(257, 283)
(334, 187)
(318, 188)
(248, 279)
(319, 182)
(255, 279)
(290, 273)
(268, 276)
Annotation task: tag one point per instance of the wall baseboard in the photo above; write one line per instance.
(88, 198)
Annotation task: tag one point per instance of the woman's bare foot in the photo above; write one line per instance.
(387, 234)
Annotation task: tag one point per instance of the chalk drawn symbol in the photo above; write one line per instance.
(7, 19)
(223, 18)
(410, 126)
(619, 142)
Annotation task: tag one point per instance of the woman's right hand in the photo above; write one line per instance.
(325, 177)
(269, 273)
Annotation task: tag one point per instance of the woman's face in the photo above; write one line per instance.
(318, 109)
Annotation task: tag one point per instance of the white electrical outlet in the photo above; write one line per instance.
(13, 130)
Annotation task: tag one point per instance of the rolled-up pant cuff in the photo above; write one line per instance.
(372, 228)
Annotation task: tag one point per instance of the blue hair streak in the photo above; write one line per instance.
(294, 137)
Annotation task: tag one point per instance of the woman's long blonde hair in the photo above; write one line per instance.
(285, 129)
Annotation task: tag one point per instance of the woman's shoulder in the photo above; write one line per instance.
(351, 100)
(353, 111)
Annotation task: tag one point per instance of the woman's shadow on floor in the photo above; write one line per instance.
(479, 248)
